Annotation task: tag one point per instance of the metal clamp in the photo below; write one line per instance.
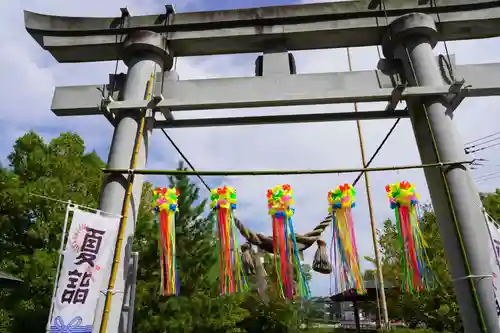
(125, 12)
(167, 113)
(457, 91)
(169, 9)
(396, 95)
(105, 104)
(467, 277)
(158, 98)
(113, 291)
(475, 161)
(106, 111)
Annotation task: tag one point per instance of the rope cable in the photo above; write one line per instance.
(176, 147)
(69, 202)
(382, 4)
(179, 151)
(382, 143)
(379, 148)
(119, 32)
(282, 172)
(450, 68)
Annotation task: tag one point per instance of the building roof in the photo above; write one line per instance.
(351, 295)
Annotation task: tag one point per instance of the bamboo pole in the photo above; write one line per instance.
(280, 172)
(378, 261)
(123, 221)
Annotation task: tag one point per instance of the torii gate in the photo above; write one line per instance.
(410, 72)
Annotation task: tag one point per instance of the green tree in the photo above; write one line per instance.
(30, 226)
(30, 231)
(491, 202)
(436, 308)
(277, 315)
(198, 308)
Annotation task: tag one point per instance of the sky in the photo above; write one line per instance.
(29, 75)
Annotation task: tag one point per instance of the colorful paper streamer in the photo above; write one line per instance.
(346, 260)
(165, 206)
(286, 254)
(403, 198)
(232, 276)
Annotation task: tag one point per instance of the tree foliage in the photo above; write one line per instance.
(437, 308)
(30, 231)
(30, 226)
(198, 307)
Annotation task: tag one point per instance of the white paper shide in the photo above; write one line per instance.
(87, 260)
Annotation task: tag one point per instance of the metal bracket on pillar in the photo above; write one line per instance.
(106, 102)
(169, 9)
(456, 94)
(106, 111)
(476, 161)
(158, 98)
(125, 12)
(166, 112)
(397, 94)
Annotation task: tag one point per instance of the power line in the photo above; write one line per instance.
(185, 159)
(468, 148)
(488, 175)
(482, 143)
(481, 149)
(489, 178)
(482, 138)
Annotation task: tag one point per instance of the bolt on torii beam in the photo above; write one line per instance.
(410, 72)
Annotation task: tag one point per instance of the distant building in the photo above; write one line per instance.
(348, 312)
(350, 300)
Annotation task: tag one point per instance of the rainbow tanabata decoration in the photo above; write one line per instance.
(286, 254)
(404, 200)
(346, 261)
(232, 277)
(165, 207)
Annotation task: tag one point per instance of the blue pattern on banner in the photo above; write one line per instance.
(74, 326)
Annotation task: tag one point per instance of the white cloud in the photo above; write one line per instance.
(29, 75)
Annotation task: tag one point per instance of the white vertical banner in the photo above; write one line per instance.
(495, 262)
(88, 257)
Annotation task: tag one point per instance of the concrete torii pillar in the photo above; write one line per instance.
(411, 39)
(145, 53)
